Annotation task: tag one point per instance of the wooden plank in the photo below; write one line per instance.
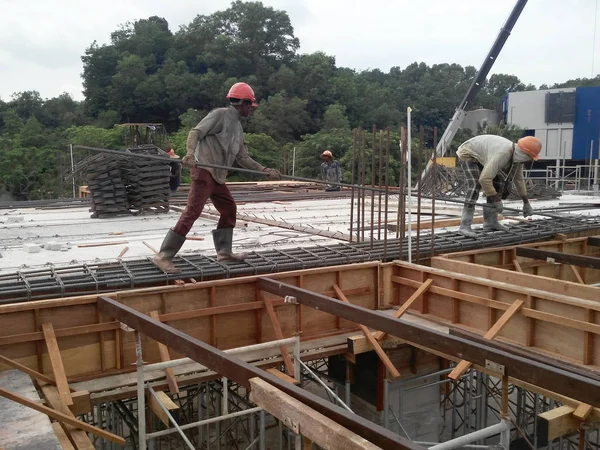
(61, 417)
(577, 275)
(32, 373)
(360, 344)
(304, 420)
(463, 366)
(380, 352)
(525, 280)
(154, 405)
(282, 376)
(165, 356)
(82, 403)
(517, 265)
(57, 364)
(556, 423)
(149, 246)
(102, 244)
(289, 366)
(407, 304)
(583, 411)
(64, 441)
(77, 437)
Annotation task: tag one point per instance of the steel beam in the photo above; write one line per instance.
(241, 372)
(594, 241)
(537, 373)
(564, 258)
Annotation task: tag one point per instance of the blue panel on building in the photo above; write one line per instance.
(587, 123)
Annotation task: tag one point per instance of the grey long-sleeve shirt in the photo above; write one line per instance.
(219, 139)
(495, 154)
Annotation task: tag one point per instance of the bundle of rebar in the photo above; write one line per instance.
(125, 184)
(450, 182)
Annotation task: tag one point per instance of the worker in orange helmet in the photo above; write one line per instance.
(217, 140)
(331, 171)
(493, 163)
(175, 178)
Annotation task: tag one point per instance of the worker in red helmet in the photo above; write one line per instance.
(493, 163)
(331, 171)
(217, 140)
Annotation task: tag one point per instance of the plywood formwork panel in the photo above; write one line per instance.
(505, 257)
(558, 325)
(225, 313)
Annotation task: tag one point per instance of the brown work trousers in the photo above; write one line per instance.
(202, 188)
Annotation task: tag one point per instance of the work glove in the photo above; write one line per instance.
(527, 210)
(274, 175)
(498, 203)
(189, 161)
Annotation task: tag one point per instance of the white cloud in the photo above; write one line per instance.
(42, 42)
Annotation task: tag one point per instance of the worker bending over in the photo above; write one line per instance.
(492, 163)
(217, 140)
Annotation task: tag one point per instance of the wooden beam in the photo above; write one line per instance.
(360, 344)
(464, 365)
(577, 275)
(407, 304)
(583, 411)
(165, 356)
(154, 405)
(56, 363)
(289, 366)
(563, 258)
(63, 439)
(380, 352)
(556, 423)
(61, 417)
(282, 376)
(77, 437)
(32, 373)
(517, 265)
(304, 420)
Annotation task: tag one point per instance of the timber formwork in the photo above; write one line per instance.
(89, 338)
(57, 282)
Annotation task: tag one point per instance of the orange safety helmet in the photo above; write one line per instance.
(530, 145)
(326, 154)
(242, 91)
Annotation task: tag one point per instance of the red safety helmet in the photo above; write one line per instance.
(242, 91)
(530, 145)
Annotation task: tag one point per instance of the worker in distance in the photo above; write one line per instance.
(217, 140)
(493, 163)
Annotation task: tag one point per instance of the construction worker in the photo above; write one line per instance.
(330, 171)
(492, 163)
(175, 178)
(218, 140)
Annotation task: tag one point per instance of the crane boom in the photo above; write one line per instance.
(461, 110)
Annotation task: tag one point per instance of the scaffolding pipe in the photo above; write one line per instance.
(502, 428)
(140, 392)
(205, 422)
(166, 411)
(327, 388)
(409, 175)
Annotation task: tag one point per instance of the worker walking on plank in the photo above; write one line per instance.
(330, 171)
(218, 140)
(492, 163)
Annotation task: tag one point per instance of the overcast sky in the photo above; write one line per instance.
(42, 41)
